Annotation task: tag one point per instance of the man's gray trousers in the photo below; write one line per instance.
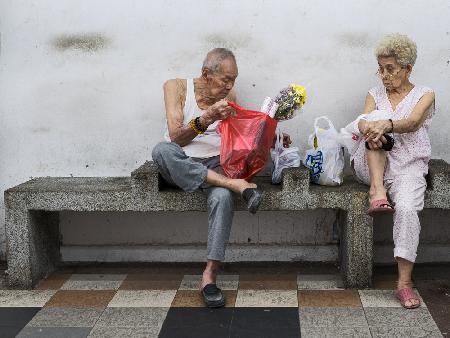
(189, 174)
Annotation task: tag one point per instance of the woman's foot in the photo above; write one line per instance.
(378, 201)
(407, 296)
(377, 193)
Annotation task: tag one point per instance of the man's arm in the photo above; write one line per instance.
(174, 93)
(174, 96)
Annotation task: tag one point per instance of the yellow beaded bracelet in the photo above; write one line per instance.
(193, 126)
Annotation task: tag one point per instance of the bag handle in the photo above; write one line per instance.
(236, 107)
(324, 118)
(277, 141)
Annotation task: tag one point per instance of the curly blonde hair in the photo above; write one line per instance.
(402, 48)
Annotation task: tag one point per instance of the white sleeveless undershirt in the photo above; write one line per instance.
(204, 145)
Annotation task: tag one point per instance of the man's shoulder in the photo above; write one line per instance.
(177, 82)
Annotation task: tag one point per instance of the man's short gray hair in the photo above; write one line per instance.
(402, 48)
(215, 57)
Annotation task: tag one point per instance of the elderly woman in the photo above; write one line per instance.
(400, 172)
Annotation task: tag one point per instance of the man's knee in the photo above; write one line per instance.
(163, 149)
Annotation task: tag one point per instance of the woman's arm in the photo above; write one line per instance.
(375, 129)
(417, 117)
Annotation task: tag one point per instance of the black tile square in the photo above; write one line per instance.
(9, 331)
(250, 318)
(195, 332)
(231, 322)
(198, 318)
(260, 332)
(17, 316)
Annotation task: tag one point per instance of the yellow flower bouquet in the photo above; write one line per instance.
(289, 100)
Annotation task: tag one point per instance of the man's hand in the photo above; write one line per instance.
(286, 140)
(218, 111)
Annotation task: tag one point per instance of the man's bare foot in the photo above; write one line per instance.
(208, 277)
(241, 185)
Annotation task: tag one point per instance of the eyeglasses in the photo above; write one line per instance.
(390, 73)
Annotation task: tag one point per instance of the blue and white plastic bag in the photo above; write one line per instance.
(325, 158)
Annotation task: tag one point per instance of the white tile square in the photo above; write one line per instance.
(224, 282)
(143, 298)
(94, 282)
(25, 298)
(266, 298)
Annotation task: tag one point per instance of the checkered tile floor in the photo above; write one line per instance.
(164, 302)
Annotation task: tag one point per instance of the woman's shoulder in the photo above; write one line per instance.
(421, 90)
(377, 91)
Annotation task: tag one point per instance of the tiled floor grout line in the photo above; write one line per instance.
(92, 328)
(365, 314)
(234, 307)
(231, 322)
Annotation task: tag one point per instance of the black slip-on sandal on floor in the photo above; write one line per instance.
(213, 296)
(253, 197)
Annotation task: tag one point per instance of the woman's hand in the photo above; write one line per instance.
(374, 130)
(376, 145)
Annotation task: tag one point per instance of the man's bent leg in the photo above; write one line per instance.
(177, 168)
(220, 218)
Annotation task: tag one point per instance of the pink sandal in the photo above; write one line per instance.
(408, 294)
(381, 206)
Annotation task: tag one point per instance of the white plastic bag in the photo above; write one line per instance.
(283, 158)
(350, 136)
(326, 158)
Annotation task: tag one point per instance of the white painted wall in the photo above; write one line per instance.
(99, 113)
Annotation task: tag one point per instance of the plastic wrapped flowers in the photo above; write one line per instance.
(289, 100)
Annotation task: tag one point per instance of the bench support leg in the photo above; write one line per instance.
(356, 247)
(32, 245)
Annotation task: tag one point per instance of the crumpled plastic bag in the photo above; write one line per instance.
(350, 136)
(283, 158)
(246, 139)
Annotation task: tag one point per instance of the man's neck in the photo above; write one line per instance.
(202, 95)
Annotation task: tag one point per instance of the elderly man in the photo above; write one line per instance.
(190, 157)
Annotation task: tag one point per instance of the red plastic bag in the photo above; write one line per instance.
(246, 139)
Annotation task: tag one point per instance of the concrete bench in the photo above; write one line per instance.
(32, 218)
